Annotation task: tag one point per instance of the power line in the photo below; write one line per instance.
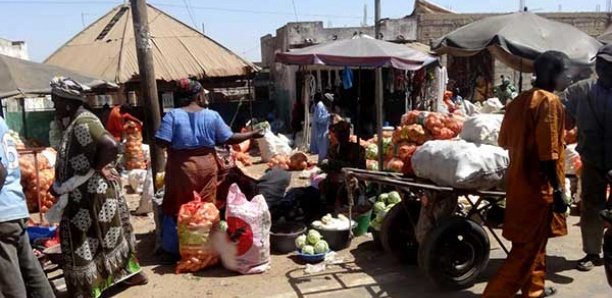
(295, 11)
(166, 4)
(190, 14)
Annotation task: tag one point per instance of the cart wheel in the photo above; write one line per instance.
(397, 233)
(454, 253)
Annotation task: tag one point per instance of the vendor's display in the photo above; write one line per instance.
(248, 229)
(311, 243)
(37, 178)
(195, 223)
(271, 144)
(383, 204)
(134, 155)
(482, 129)
(460, 164)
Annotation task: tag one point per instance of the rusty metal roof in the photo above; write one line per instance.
(106, 49)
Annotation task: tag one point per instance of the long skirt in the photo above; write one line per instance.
(96, 239)
(186, 171)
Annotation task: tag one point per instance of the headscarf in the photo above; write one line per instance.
(189, 87)
(68, 88)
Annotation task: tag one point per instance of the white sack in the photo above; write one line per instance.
(462, 165)
(271, 145)
(482, 129)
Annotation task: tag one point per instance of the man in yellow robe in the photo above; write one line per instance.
(532, 131)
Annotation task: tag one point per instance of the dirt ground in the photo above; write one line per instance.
(365, 272)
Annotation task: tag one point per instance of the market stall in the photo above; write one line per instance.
(360, 51)
(517, 39)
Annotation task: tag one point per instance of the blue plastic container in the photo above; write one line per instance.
(37, 232)
(316, 258)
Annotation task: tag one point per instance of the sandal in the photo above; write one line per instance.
(549, 291)
(139, 279)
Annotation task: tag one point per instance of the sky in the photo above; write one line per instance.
(45, 25)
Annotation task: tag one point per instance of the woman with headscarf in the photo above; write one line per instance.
(319, 143)
(191, 133)
(96, 235)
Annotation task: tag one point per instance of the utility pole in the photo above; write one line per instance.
(378, 95)
(148, 85)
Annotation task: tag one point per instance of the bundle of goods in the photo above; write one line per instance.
(383, 204)
(134, 156)
(482, 129)
(46, 176)
(246, 245)
(573, 163)
(460, 164)
(195, 223)
(298, 161)
(311, 243)
(271, 144)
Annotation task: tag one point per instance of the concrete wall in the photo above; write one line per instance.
(17, 49)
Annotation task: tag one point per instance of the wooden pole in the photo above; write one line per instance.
(378, 95)
(148, 85)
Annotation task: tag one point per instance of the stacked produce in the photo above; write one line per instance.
(46, 176)
(134, 156)
(311, 243)
(298, 161)
(383, 204)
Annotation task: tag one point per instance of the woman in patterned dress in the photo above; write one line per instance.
(96, 236)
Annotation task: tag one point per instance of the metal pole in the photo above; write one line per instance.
(378, 95)
(148, 85)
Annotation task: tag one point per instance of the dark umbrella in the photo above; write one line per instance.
(361, 51)
(517, 39)
(18, 76)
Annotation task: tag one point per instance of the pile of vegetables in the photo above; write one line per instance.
(242, 157)
(329, 223)
(298, 161)
(383, 204)
(134, 156)
(311, 243)
(436, 125)
(46, 177)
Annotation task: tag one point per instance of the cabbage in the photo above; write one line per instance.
(321, 247)
(300, 241)
(378, 207)
(313, 237)
(308, 250)
(383, 197)
(376, 224)
(372, 151)
(389, 207)
(394, 198)
(223, 226)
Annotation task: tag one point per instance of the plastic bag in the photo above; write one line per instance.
(482, 129)
(460, 164)
(271, 145)
(136, 179)
(195, 222)
(248, 227)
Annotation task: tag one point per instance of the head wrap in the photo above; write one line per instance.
(68, 88)
(190, 87)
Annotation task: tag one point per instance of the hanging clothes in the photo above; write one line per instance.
(347, 78)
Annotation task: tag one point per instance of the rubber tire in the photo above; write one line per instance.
(403, 244)
(431, 254)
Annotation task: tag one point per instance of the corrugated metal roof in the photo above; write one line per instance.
(106, 49)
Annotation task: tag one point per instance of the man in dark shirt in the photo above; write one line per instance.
(588, 105)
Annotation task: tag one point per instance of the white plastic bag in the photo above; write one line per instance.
(136, 179)
(248, 227)
(491, 105)
(271, 145)
(570, 158)
(482, 129)
(462, 165)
